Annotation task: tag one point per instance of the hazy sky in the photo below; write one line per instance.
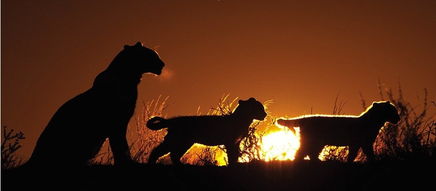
(301, 54)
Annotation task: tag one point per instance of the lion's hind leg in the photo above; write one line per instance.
(159, 151)
(177, 151)
(308, 148)
(369, 151)
(314, 150)
(302, 151)
(352, 153)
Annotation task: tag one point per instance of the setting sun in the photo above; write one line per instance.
(280, 145)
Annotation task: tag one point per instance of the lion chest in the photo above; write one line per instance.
(115, 103)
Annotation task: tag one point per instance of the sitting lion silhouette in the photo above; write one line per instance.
(352, 131)
(79, 127)
(227, 130)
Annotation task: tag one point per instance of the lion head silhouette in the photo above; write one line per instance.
(138, 59)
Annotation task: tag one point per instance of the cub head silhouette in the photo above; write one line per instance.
(227, 130)
(80, 126)
(338, 130)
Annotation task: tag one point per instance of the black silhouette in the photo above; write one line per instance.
(80, 126)
(226, 130)
(353, 131)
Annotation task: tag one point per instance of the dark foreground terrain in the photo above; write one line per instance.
(382, 175)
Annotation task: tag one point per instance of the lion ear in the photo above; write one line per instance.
(251, 99)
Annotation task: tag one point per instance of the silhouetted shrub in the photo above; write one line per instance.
(413, 136)
(10, 145)
(208, 156)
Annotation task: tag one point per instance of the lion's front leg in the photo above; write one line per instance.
(119, 146)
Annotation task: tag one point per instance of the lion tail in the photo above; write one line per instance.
(157, 123)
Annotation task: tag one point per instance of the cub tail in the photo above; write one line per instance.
(157, 123)
(289, 123)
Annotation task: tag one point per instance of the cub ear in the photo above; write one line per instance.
(251, 99)
(138, 44)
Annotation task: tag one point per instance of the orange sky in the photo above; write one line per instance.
(301, 54)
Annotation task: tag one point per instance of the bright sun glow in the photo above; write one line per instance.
(276, 145)
(280, 145)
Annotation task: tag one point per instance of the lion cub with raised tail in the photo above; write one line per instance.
(227, 130)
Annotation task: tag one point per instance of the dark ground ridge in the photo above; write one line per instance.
(307, 175)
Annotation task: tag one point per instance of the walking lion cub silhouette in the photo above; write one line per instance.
(338, 130)
(79, 127)
(227, 130)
